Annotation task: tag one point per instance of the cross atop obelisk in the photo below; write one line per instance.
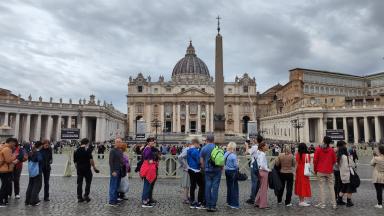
(219, 117)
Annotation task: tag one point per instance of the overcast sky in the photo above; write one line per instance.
(74, 48)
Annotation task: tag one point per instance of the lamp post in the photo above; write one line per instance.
(156, 123)
(297, 124)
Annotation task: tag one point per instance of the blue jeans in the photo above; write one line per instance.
(232, 188)
(255, 181)
(212, 183)
(114, 184)
(147, 190)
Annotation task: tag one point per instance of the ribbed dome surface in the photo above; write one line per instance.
(190, 64)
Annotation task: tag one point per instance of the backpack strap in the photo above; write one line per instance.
(227, 158)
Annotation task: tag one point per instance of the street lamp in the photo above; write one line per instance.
(297, 124)
(156, 123)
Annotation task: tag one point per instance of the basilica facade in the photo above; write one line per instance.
(185, 104)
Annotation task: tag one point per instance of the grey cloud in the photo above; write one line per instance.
(77, 48)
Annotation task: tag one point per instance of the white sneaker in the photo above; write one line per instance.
(379, 206)
(17, 197)
(290, 204)
(304, 204)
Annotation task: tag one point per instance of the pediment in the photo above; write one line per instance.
(192, 92)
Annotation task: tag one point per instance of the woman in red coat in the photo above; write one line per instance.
(302, 183)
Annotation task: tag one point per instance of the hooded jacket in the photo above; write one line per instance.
(324, 159)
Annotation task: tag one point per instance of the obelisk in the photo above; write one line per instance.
(219, 116)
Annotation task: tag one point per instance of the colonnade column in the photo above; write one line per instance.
(345, 127)
(355, 131)
(211, 118)
(334, 123)
(236, 122)
(162, 119)
(27, 128)
(366, 130)
(58, 128)
(306, 130)
(17, 125)
(37, 134)
(83, 131)
(69, 122)
(6, 119)
(48, 128)
(321, 129)
(186, 118)
(377, 130)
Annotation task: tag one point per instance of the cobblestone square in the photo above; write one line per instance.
(168, 194)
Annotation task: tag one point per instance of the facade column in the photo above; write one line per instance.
(236, 122)
(207, 129)
(162, 119)
(345, 127)
(174, 119)
(186, 118)
(48, 128)
(198, 118)
(103, 129)
(178, 129)
(37, 134)
(355, 131)
(306, 130)
(17, 126)
(366, 130)
(321, 129)
(58, 128)
(148, 117)
(6, 119)
(211, 118)
(69, 122)
(83, 132)
(377, 130)
(334, 123)
(27, 128)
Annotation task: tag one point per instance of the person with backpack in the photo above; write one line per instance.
(231, 171)
(286, 162)
(35, 164)
(196, 176)
(262, 195)
(212, 161)
(378, 175)
(254, 168)
(83, 161)
(345, 164)
(7, 163)
(323, 162)
(125, 169)
(336, 173)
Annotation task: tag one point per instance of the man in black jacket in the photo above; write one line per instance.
(46, 153)
(83, 160)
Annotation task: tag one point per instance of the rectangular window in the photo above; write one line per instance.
(140, 88)
(230, 90)
(156, 90)
(245, 89)
(203, 89)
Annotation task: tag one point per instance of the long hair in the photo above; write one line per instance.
(340, 152)
(302, 149)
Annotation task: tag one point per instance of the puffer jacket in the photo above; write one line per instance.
(6, 158)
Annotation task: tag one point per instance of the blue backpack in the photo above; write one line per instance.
(33, 169)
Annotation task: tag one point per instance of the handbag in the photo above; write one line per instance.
(307, 167)
(33, 169)
(124, 185)
(241, 176)
(354, 179)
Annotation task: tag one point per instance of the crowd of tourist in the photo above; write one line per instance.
(202, 166)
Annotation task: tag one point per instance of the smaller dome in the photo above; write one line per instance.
(190, 64)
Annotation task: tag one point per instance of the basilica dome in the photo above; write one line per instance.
(190, 65)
